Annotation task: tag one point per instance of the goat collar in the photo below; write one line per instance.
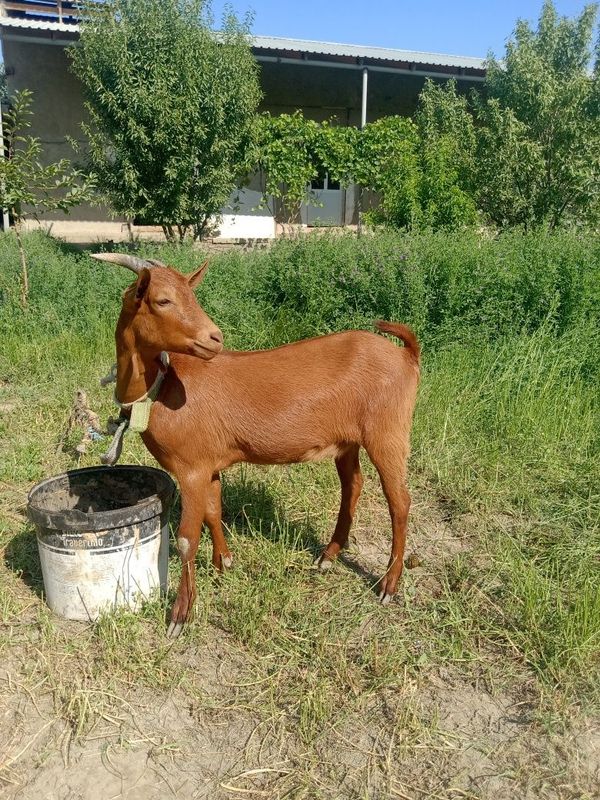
(140, 408)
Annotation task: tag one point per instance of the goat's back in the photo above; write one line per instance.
(297, 402)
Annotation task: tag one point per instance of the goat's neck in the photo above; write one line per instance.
(136, 370)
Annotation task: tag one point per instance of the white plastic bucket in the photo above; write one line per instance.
(103, 538)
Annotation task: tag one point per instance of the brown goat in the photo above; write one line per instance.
(304, 401)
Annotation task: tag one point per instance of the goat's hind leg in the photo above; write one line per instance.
(221, 556)
(348, 467)
(391, 466)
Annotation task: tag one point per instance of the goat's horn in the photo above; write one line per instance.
(156, 263)
(131, 262)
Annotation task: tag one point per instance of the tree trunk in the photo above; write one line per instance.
(200, 229)
(24, 271)
(168, 232)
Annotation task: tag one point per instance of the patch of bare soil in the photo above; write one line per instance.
(151, 745)
(458, 737)
(451, 742)
(8, 402)
(497, 748)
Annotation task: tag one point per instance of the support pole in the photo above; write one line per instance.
(363, 122)
(365, 87)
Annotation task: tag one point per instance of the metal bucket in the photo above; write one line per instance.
(103, 537)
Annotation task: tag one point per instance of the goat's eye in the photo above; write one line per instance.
(163, 302)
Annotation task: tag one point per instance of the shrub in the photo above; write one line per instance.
(446, 285)
(447, 155)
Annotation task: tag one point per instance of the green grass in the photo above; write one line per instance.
(519, 443)
(506, 452)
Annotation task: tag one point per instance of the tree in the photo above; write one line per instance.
(539, 139)
(388, 164)
(422, 168)
(171, 107)
(27, 186)
(446, 149)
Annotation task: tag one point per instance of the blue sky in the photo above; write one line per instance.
(459, 27)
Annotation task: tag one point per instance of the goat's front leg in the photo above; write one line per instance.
(194, 496)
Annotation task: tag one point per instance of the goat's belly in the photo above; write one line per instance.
(319, 453)
(292, 456)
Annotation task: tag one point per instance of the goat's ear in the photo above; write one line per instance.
(142, 283)
(197, 277)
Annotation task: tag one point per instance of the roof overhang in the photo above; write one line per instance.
(282, 50)
(42, 31)
(377, 59)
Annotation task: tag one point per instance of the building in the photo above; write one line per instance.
(355, 84)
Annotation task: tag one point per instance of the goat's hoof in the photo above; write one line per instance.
(384, 598)
(227, 562)
(174, 630)
(322, 563)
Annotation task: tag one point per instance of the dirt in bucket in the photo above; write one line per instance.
(97, 493)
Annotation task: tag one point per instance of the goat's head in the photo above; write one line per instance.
(160, 310)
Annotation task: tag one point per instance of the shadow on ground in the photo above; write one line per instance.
(21, 556)
(253, 508)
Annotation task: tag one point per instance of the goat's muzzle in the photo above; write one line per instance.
(208, 346)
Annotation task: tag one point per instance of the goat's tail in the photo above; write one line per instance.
(411, 343)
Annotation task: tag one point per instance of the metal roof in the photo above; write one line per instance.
(38, 25)
(360, 51)
(280, 43)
